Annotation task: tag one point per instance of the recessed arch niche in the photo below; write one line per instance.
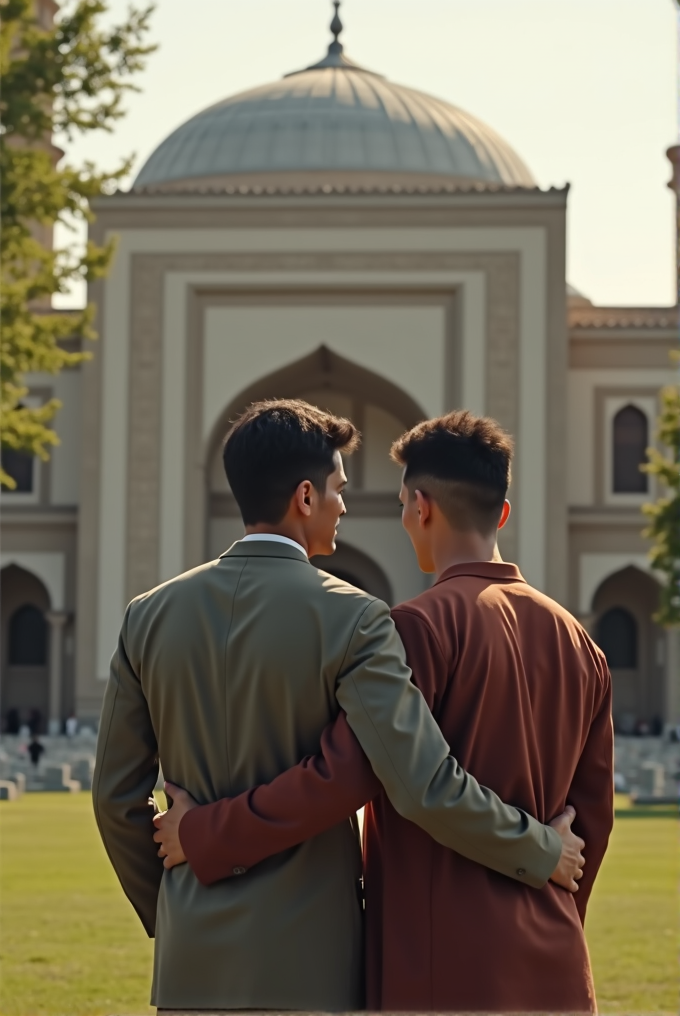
(635, 646)
(25, 685)
(380, 409)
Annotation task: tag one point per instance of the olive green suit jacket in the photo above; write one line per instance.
(228, 675)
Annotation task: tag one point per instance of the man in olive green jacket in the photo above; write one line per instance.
(228, 674)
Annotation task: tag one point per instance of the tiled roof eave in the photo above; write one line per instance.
(616, 320)
(324, 190)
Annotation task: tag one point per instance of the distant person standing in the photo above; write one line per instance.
(35, 750)
(71, 725)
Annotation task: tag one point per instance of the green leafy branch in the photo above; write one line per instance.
(64, 79)
(664, 514)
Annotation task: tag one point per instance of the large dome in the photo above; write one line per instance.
(332, 123)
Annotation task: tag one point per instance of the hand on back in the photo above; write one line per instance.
(167, 825)
(570, 867)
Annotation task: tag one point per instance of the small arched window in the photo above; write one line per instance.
(631, 437)
(617, 638)
(28, 637)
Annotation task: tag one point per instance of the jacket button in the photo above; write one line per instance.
(520, 871)
(238, 870)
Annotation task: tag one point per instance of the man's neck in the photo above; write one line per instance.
(289, 530)
(464, 548)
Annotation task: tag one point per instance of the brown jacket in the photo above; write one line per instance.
(523, 697)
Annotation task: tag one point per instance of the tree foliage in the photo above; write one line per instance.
(664, 514)
(65, 79)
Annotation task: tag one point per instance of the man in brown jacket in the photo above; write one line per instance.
(523, 697)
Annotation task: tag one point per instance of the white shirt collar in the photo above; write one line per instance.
(273, 538)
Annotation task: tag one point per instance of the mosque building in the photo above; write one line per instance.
(383, 254)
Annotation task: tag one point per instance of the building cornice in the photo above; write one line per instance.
(614, 350)
(465, 195)
(38, 515)
(605, 515)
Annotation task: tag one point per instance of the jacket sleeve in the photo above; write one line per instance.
(126, 771)
(320, 792)
(411, 758)
(592, 793)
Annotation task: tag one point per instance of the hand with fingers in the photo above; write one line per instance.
(570, 867)
(167, 825)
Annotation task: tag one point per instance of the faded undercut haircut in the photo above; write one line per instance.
(463, 463)
(275, 445)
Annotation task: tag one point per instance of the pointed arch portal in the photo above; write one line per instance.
(635, 647)
(373, 553)
(322, 369)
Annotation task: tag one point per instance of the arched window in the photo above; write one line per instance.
(617, 638)
(631, 438)
(28, 637)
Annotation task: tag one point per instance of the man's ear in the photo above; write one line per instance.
(303, 497)
(505, 514)
(424, 508)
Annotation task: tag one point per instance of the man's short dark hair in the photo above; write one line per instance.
(462, 462)
(275, 445)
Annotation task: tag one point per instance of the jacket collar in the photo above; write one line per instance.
(265, 548)
(496, 571)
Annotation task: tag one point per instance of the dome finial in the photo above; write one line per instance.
(335, 58)
(336, 29)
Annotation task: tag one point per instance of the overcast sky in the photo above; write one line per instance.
(584, 90)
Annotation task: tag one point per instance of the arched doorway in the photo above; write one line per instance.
(353, 566)
(25, 654)
(381, 410)
(635, 649)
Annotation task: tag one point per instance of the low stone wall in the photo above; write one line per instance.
(645, 766)
(66, 765)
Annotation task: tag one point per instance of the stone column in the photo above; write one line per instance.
(56, 620)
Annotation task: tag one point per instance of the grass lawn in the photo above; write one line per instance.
(632, 920)
(71, 943)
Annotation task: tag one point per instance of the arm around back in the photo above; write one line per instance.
(411, 758)
(223, 838)
(126, 771)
